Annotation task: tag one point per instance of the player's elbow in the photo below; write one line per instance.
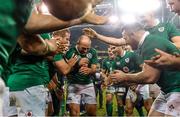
(65, 72)
(151, 78)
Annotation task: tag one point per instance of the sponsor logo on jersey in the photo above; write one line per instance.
(107, 62)
(161, 29)
(118, 63)
(126, 69)
(127, 60)
(89, 55)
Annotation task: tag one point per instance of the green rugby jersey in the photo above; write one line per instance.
(165, 30)
(129, 62)
(13, 17)
(108, 65)
(74, 77)
(169, 81)
(28, 71)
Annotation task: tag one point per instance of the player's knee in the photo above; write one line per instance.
(92, 113)
(129, 110)
(120, 102)
(74, 113)
(108, 101)
(2, 86)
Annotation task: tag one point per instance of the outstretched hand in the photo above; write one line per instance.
(93, 18)
(118, 76)
(58, 45)
(161, 60)
(89, 32)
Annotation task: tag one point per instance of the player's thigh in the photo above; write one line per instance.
(74, 109)
(91, 109)
(154, 113)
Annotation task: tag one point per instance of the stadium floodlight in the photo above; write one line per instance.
(113, 19)
(138, 6)
(128, 19)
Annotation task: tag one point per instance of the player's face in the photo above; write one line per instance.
(64, 41)
(66, 38)
(125, 36)
(128, 48)
(145, 19)
(174, 6)
(83, 48)
(129, 39)
(118, 50)
(110, 52)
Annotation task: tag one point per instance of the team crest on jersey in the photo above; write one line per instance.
(161, 29)
(126, 69)
(89, 55)
(127, 60)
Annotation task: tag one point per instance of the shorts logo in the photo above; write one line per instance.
(171, 107)
(69, 98)
(89, 55)
(127, 60)
(161, 29)
(29, 114)
(126, 69)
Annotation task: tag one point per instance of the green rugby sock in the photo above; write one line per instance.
(140, 111)
(120, 110)
(109, 109)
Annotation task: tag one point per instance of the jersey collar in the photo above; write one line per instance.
(157, 22)
(123, 54)
(77, 49)
(143, 38)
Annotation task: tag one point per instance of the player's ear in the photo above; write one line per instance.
(132, 33)
(77, 42)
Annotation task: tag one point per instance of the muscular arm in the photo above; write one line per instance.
(34, 44)
(62, 67)
(164, 60)
(93, 68)
(65, 67)
(176, 62)
(176, 41)
(111, 40)
(39, 23)
(148, 75)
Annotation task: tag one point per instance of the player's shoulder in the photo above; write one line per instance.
(105, 59)
(72, 49)
(92, 51)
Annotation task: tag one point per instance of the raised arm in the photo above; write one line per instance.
(40, 23)
(148, 75)
(109, 40)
